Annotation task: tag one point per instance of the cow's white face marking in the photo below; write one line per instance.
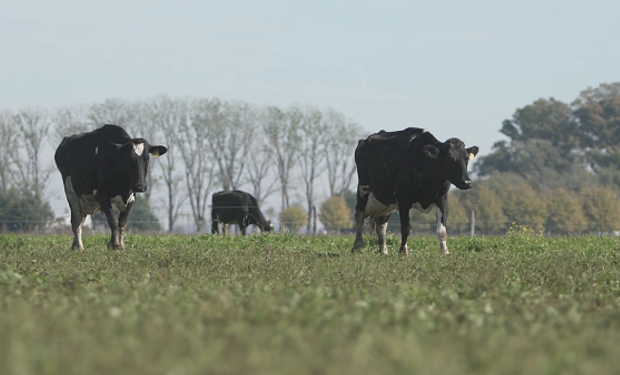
(138, 148)
(96, 150)
(363, 190)
(376, 208)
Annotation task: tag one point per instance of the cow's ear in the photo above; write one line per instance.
(472, 152)
(430, 151)
(157, 150)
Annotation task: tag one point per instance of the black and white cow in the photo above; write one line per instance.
(407, 169)
(101, 168)
(236, 207)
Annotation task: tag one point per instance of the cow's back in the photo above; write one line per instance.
(227, 206)
(378, 159)
(254, 210)
(76, 155)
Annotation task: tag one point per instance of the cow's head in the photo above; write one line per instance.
(456, 157)
(132, 160)
(267, 226)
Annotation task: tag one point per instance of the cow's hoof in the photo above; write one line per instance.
(357, 245)
(114, 247)
(74, 247)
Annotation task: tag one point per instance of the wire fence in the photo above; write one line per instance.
(422, 224)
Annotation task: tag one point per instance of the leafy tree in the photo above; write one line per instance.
(418, 221)
(459, 216)
(23, 211)
(601, 206)
(293, 218)
(487, 207)
(565, 214)
(520, 202)
(543, 147)
(598, 114)
(335, 214)
(550, 120)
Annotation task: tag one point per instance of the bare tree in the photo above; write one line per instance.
(166, 117)
(258, 168)
(69, 121)
(143, 126)
(282, 132)
(199, 172)
(9, 148)
(33, 125)
(112, 111)
(311, 154)
(231, 129)
(342, 136)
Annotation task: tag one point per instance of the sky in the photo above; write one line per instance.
(456, 68)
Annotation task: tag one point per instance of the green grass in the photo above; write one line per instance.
(283, 304)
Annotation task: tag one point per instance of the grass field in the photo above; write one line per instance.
(283, 304)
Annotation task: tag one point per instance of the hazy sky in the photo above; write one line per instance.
(457, 68)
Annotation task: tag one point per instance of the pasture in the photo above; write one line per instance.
(285, 304)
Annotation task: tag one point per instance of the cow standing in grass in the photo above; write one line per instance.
(236, 207)
(407, 169)
(101, 168)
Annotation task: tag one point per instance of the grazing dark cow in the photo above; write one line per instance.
(407, 169)
(99, 168)
(236, 207)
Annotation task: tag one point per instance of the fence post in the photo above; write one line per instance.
(473, 223)
(314, 220)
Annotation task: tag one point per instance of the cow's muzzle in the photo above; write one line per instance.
(139, 188)
(464, 185)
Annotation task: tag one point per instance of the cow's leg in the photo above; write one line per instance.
(405, 227)
(122, 224)
(362, 198)
(224, 228)
(106, 208)
(381, 229)
(442, 216)
(359, 223)
(242, 224)
(215, 227)
(77, 219)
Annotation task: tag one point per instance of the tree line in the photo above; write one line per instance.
(505, 200)
(558, 169)
(213, 145)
